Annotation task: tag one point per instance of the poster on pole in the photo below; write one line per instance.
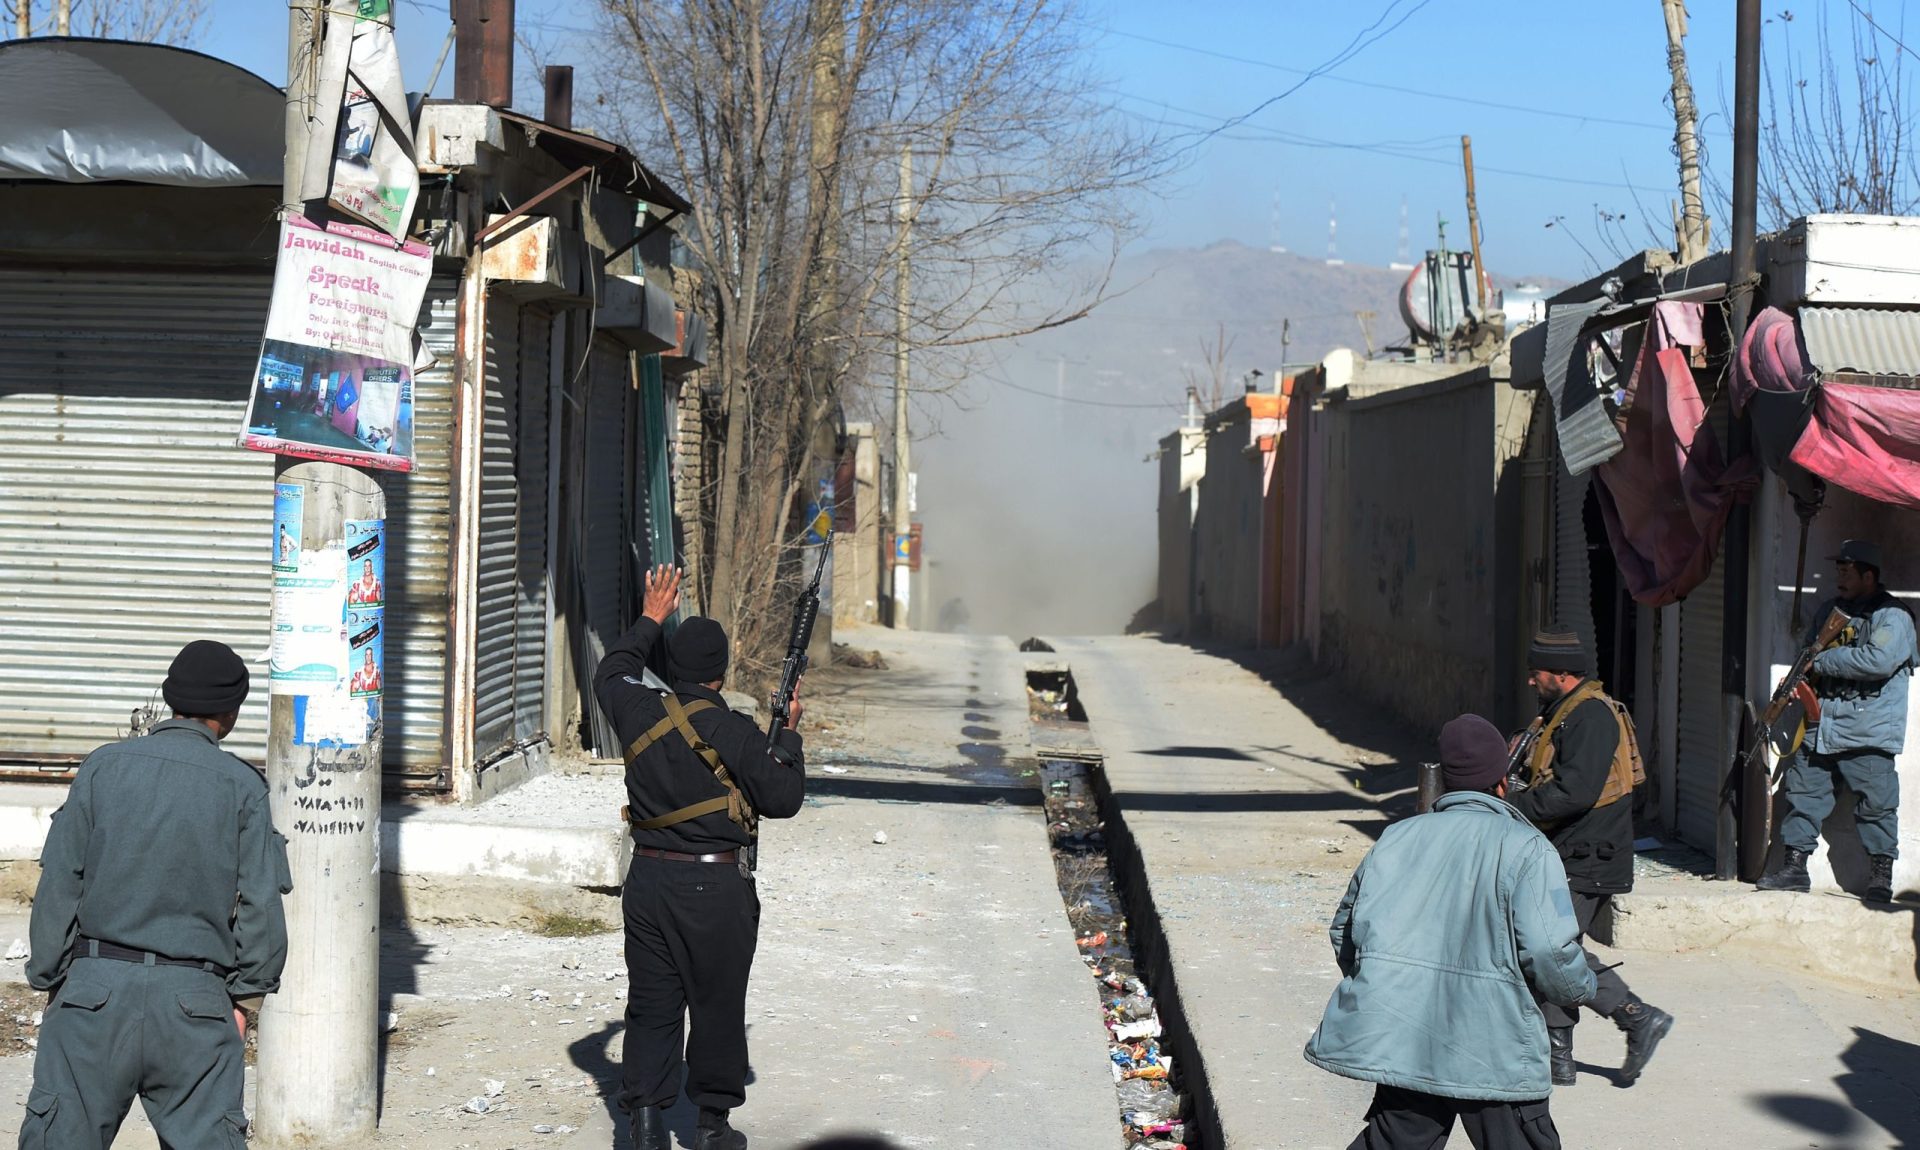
(289, 499)
(360, 156)
(366, 607)
(334, 380)
(309, 651)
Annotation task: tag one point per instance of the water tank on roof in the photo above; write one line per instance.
(1438, 296)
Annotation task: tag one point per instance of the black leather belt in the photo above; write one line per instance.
(94, 948)
(682, 856)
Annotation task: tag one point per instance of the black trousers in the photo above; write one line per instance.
(1408, 1120)
(1612, 992)
(691, 929)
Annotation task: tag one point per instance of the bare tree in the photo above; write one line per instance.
(1834, 132)
(150, 21)
(784, 122)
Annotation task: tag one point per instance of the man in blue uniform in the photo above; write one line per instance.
(156, 925)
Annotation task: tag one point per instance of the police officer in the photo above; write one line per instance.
(157, 924)
(1580, 795)
(1862, 686)
(698, 778)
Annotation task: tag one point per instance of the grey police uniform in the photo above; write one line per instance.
(158, 908)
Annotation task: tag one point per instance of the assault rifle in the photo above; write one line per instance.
(1523, 742)
(1792, 685)
(804, 610)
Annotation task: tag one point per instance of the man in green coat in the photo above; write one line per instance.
(1451, 927)
(156, 924)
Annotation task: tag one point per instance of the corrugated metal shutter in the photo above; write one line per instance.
(130, 523)
(530, 624)
(494, 615)
(653, 515)
(419, 523)
(608, 502)
(1572, 577)
(1700, 755)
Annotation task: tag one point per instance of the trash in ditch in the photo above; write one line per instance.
(1097, 938)
(1139, 1060)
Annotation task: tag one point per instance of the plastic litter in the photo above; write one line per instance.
(477, 1105)
(17, 951)
(880, 837)
(1097, 938)
(495, 1088)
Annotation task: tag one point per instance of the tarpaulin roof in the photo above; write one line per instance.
(87, 111)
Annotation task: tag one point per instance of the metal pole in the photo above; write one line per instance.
(902, 443)
(1473, 227)
(1746, 154)
(318, 1077)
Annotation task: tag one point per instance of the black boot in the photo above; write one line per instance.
(716, 1134)
(1880, 885)
(1645, 1026)
(1792, 874)
(1560, 1044)
(647, 1129)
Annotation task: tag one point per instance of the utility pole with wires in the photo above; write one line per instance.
(1473, 227)
(1690, 226)
(319, 1044)
(62, 17)
(23, 18)
(902, 444)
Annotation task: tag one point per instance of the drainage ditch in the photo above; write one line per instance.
(1153, 1087)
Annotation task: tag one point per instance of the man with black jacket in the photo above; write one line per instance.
(698, 778)
(1580, 795)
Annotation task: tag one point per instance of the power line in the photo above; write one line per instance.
(1524, 109)
(1361, 41)
(1868, 17)
(1164, 405)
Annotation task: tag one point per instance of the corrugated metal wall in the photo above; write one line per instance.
(530, 605)
(130, 523)
(1572, 577)
(608, 500)
(498, 567)
(419, 525)
(1701, 755)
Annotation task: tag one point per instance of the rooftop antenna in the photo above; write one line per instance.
(1273, 240)
(1403, 262)
(1333, 227)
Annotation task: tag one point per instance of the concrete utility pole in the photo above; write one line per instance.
(62, 17)
(318, 1074)
(1473, 227)
(902, 444)
(1690, 236)
(23, 18)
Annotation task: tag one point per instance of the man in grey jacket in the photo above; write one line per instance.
(1450, 928)
(1862, 685)
(157, 919)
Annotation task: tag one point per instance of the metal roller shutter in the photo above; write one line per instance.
(130, 523)
(1700, 755)
(608, 501)
(1572, 578)
(494, 615)
(419, 524)
(530, 623)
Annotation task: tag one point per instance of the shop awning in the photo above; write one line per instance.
(86, 111)
(1836, 391)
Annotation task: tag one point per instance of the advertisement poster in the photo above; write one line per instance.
(335, 376)
(309, 652)
(366, 607)
(288, 500)
(333, 719)
(360, 157)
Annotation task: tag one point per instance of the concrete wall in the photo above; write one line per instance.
(1841, 862)
(856, 553)
(1408, 570)
(1183, 461)
(1228, 531)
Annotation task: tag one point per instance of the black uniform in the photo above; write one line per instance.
(692, 920)
(1595, 843)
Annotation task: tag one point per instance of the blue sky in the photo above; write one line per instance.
(1564, 102)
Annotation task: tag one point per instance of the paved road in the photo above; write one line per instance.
(1251, 806)
(927, 989)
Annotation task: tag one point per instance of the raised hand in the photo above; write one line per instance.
(662, 593)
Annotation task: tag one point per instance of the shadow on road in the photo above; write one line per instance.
(1878, 1085)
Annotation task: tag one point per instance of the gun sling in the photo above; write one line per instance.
(733, 802)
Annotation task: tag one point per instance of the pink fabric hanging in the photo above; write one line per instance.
(1864, 438)
(1666, 496)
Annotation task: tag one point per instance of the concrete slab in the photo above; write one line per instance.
(1248, 808)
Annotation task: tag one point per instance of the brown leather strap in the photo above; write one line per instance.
(734, 802)
(681, 856)
(663, 726)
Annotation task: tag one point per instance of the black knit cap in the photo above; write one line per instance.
(1473, 756)
(206, 679)
(1557, 648)
(697, 652)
